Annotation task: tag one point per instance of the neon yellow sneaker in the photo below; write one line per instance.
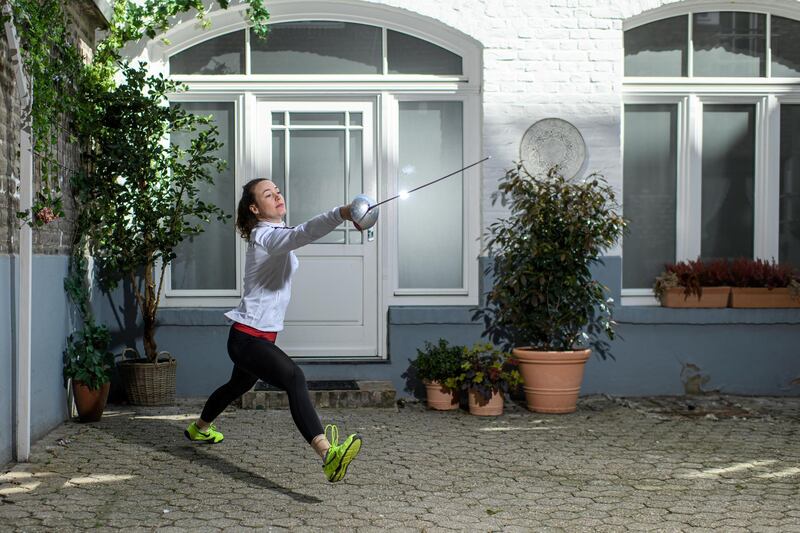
(211, 435)
(339, 455)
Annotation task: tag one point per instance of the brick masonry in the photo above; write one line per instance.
(370, 394)
(53, 239)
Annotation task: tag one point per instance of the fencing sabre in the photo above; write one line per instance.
(364, 210)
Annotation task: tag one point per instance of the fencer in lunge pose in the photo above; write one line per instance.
(269, 267)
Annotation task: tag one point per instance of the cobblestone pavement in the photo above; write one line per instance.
(667, 464)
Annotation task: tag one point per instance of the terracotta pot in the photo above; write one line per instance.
(90, 403)
(440, 398)
(760, 297)
(712, 297)
(479, 406)
(552, 379)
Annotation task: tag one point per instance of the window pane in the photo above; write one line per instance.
(220, 55)
(317, 47)
(728, 168)
(650, 172)
(278, 118)
(408, 55)
(279, 159)
(430, 232)
(316, 119)
(316, 176)
(658, 48)
(208, 260)
(728, 43)
(785, 47)
(790, 185)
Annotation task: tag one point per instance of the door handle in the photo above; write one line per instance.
(370, 235)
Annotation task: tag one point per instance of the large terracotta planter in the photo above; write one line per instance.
(440, 398)
(552, 379)
(760, 297)
(712, 297)
(90, 403)
(479, 406)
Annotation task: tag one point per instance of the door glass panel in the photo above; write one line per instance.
(409, 55)
(728, 43)
(650, 171)
(316, 119)
(208, 260)
(318, 47)
(316, 181)
(220, 55)
(785, 47)
(789, 238)
(279, 159)
(355, 119)
(278, 119)
(728, 175)
(658, 48)
(430, 224)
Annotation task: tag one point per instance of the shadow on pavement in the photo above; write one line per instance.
(165, 437)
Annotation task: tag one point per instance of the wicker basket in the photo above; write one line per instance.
(147, 383)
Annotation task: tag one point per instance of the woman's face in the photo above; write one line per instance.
(269, 204)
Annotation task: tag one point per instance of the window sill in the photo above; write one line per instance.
(193, 316)
(667, 315)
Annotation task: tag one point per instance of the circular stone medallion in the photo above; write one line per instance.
(550, 142)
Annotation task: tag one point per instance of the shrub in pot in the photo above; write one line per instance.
(437, 365)
(487, 375)
(760, 283)
(140, 200)
(694, 284)
(88, 364)
(544, 300)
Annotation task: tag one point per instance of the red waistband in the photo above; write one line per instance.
(269, 335)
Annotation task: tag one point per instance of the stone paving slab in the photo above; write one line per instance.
(715, 463)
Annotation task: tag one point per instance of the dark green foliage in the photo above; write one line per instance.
(438, 362)
(543, 294)
(87, 358)
(142, 196)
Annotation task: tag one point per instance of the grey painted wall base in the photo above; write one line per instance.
(659, 351)
(49, 331)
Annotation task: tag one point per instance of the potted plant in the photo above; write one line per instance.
(694, 284)
(759, 283)
(437, 365)
(544, 300)
(87, 365)
(140, 200)
(487, 374)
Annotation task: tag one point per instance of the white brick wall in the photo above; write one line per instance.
(556, 58)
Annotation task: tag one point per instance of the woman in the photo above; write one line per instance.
(269, 267)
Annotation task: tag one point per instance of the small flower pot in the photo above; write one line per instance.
(439, 397)
(712, 297)
(479, 406)
(90, 403)
(760, 297)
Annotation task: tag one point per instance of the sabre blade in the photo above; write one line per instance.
(429, 183)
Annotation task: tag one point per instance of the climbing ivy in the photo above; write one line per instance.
(60, 76)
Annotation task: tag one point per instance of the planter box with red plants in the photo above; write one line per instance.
(719, 283)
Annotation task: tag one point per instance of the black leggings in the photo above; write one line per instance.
(255, 359)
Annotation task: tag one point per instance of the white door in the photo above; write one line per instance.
(322, 154)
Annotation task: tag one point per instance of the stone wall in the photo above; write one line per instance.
(54, 238)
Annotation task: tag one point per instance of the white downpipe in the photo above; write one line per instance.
(22, 414)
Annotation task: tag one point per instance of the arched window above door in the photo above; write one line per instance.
(317, 47)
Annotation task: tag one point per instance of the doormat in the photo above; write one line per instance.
(315, 385)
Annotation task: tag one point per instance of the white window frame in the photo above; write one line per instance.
(194, 297)
(691, 93)
(385, 90)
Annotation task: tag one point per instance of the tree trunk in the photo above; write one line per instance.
(149, 312)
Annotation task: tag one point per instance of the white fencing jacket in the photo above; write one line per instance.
(269, 266)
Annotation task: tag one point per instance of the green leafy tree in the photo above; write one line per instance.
(544, 295)
(141, 198)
